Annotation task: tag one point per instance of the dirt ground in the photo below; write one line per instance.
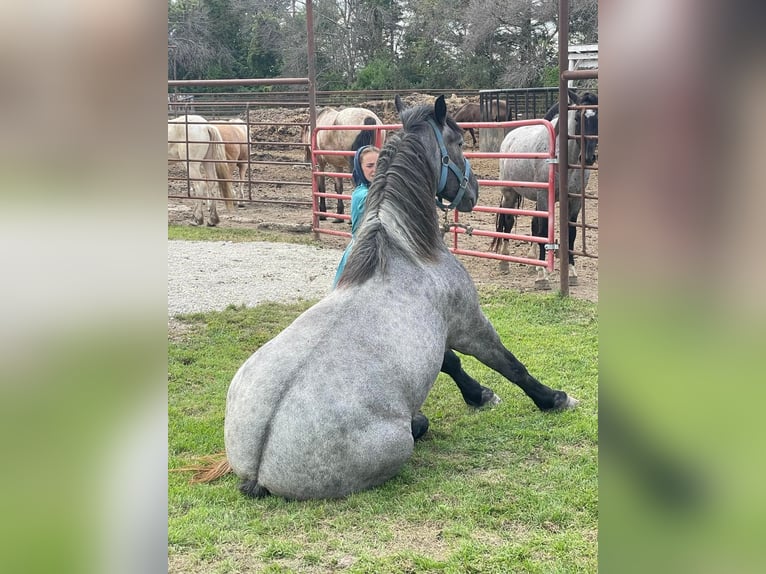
(277, 183)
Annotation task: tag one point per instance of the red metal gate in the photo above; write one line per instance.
(459, 231)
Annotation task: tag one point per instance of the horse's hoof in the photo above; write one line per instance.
(338, 220)
(505, 267)
(489, 398)
(542, 285)
(211, 224)
(573, 280)
(570, 403)
(562, 402)
(419, 426)
(252, 489)
(322, 218)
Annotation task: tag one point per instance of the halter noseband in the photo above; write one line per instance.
(447, 163)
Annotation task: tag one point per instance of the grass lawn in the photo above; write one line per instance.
(508, 489)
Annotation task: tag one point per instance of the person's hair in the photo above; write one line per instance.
(367, 149)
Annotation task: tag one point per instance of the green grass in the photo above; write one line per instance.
(509, 489)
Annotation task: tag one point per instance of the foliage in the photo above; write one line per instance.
(508, 489)
(375, 44)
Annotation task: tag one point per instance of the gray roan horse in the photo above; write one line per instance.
(331, 405)
(535, 138)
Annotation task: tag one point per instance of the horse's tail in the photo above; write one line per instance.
(211, 468)
(504, 221)
(306, 139)
(222, 169)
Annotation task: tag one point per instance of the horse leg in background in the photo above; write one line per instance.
(212, 219)
(504, 224)
(574, 212)
(473, 136)
(341, 208)
(540, 229)
(242, 168)
(480, 340)
(321, 188)
(200, 188)
(473, 393)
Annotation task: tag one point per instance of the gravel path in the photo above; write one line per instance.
(210, 275)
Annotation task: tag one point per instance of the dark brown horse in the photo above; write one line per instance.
(471, 112)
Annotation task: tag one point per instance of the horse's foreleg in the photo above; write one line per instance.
(540, 229)
(487, 348)
(474, 394)
(574, 213)
(504, 224)
(213, 218)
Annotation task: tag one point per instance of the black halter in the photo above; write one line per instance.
(447, 163)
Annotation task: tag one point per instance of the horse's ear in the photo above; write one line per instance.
(552, 112)
(399, 104)
(573, 96)
(440, 110)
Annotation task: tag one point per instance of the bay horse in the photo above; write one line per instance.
(237, 144)
(535, 138)
(339, 140)
(199, 146)
(331, 405)
(471, 112)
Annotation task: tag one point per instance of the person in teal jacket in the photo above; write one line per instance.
(364, 170)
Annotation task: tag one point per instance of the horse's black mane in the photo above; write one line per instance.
(587, 99)
(401, 194)
(363, 138)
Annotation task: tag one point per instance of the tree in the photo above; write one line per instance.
(376, 43)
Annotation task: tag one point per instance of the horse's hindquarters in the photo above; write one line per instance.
(306, 461)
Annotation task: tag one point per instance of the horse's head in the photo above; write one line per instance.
(457, 183)
(581, 122)
(587, 125)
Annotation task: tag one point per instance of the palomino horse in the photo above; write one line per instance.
(535, 138)
(331, 405)
(197, 144)
(471, 112)
(237, 144)
(339, 140)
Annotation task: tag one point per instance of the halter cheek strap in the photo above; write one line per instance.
(448, 164)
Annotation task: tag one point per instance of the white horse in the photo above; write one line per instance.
(198, 144)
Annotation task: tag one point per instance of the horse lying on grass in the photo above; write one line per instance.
(331, 405)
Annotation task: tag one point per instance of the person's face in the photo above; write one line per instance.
(368, 162)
